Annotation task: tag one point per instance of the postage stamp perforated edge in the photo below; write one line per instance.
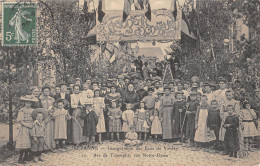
(2, 3)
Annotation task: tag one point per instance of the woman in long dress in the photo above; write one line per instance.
(77, 122)
(47, 103)
(166, 107)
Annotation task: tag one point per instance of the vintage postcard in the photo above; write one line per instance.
(129, 82)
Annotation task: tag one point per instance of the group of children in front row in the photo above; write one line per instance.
(31, 139)
(205, 122)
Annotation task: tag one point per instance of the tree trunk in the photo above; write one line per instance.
(10, 144)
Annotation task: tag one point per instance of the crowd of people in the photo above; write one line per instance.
(199, 115)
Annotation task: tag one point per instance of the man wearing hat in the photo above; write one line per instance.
(166, 108)
(146, 71)
(139, 65)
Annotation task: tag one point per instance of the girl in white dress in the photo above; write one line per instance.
(99, 106)
(202, 131)
(249, 129)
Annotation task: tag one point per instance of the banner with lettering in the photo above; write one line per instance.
(137, 27)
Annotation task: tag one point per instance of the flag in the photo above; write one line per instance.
(184, 18)
(101, 13)
(148, 9)
(174, 9)
(127, 9)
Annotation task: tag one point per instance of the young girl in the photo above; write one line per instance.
(128, 118)
(191, 113)
(90, 122)
(141, 117)
(24, 117)
(156, 128)
(39, 132)
(201, 135)
(99, 106)
(231, 138)
(60, 127)
(115, 125)
(249, 129)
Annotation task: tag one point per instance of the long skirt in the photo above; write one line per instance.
(24, 138)
(101, 128)
(167, 122)
(222, 130)
(201, 134)
(156, 128)
(249, 129)
(60, 127)
(190, 128)
(50, 134)
(231, 140)
(77, 127)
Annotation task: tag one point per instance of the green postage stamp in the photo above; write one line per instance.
(19, 24)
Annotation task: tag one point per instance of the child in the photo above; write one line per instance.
(141, 117)
(128, 118)
(149, 101)
(191, 113)
(179, 109)
(201, 134)
(90, 122)
(249, 129)
(24, 117)
(214, 121)
(99, 106)
(231, 125)
(60, 127)
(131, 137)
(156, 127)
(115, 125)
(39, 132)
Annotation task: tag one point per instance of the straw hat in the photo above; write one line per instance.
(43, 111)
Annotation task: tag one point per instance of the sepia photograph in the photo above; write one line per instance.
(129, 82)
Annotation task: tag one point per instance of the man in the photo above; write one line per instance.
(158, 69)
(146, 72)
(57, 89)
(141, 92)
(148, 84)
(139, 65)
(63, 94)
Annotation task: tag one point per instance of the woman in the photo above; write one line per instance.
(166, 107)
(78, 124)
(131, 97)
(47, 103)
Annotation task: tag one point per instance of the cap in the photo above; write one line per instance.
(150, 89)
(45, 87)
(29, 98)
(179, 92)
(221, 79)
(193, 93)
(63, 83)
(166, 87)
